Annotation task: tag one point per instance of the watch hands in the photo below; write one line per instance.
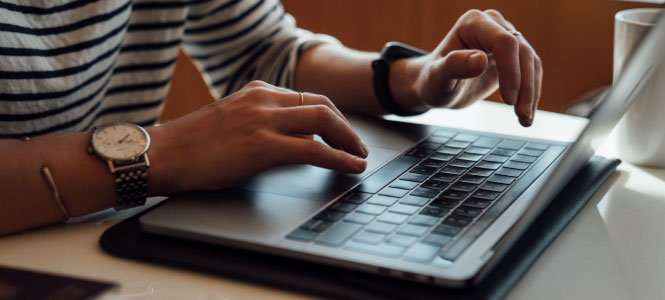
(123, 139)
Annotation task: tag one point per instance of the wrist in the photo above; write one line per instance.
(403, 78)
(160, 174)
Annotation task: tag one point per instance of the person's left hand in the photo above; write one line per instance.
(481, 52)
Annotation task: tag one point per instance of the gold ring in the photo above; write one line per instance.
(302, 99)
(515, 32)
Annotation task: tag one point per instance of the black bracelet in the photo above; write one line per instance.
(391, 52)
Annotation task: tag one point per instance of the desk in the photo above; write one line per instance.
(612, 250)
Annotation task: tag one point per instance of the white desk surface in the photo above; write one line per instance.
(614, 249)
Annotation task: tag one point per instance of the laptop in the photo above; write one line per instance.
(438, 205)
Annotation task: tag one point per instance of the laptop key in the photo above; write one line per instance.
(434, 184)
(477, 203)
(316, 225)
(530, 152)
(444, 177)
(343, 207)
(509, 172)
(461, 163)
(381, 227)
(511, 144)
(477, 150)
(485, 194)
(404, 209)
(359, 218)
(472, 179)
(393, 192)
(429, 145)
(403, 184)
(468, 212)
(444, 133)
(457, 221)
(435, 163)
(456, 144)
(516, 165)
(480, 172)
(465, 137)
(488, 165)
(424, 170)
(402, 240)
(421, 252)
(463, 186)
(387, 174)
(329, 215)
(453, 170)
(524, 158)
(371, 209)
(537, 146)
(437, 239)
(470, 157)
(339, 233)
(449, 150)
(445, 202)
(356, 197)
(414, 230)
(369, 237)
(453, 194)
(503, 152)
(414, 200)
(494, 186)
(382, 249)
(382, 200)
(496, 158)
(425, 192)
(442, 156)
(413, 177)
(437, 140)
(446, 229)
(302, 235)
(487, 142)
(393, 218)
(424, 220)
(434, 211)
(419, 152)
(501, 179)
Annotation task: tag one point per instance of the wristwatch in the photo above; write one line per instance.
(391, 52)
(124, 147)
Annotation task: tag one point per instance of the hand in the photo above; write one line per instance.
(258, 127)
(481, 52)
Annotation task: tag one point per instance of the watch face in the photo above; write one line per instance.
(121, 141)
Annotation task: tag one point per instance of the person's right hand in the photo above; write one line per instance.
(256, 128)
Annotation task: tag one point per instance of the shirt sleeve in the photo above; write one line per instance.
(233, 42)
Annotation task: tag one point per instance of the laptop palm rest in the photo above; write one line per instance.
(261, 209)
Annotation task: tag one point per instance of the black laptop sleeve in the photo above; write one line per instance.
(126, 239)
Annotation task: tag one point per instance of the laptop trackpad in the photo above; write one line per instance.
(312, 183)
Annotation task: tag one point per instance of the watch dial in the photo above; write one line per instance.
(120, 141)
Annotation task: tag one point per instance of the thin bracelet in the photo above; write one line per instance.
(46, 172)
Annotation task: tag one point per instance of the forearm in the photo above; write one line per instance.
(345, 76)
(84, 182)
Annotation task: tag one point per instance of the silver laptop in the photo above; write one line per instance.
(437, 205)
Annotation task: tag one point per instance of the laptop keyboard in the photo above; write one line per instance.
(434, 200)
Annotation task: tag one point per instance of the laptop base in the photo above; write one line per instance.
(126, 240)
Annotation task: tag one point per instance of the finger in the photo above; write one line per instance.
(321, 120)
(482, 32)
(300, 151)
(527, 91)
(538, 84)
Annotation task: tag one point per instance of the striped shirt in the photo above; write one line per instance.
(68, 65)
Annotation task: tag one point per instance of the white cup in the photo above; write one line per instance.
(641, 131)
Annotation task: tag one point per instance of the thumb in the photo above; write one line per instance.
(460, 64)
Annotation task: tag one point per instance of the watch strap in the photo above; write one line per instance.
(391, 52)
(131, 184)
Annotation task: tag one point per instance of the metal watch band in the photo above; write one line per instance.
(391, 52)
(131, 186)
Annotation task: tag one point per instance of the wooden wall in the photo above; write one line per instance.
(573, 38)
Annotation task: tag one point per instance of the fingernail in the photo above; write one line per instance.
(361, 165)
(365, 151)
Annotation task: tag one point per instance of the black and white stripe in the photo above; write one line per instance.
(68, 65)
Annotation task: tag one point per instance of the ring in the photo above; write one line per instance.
(515, 32)
(302, 99)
